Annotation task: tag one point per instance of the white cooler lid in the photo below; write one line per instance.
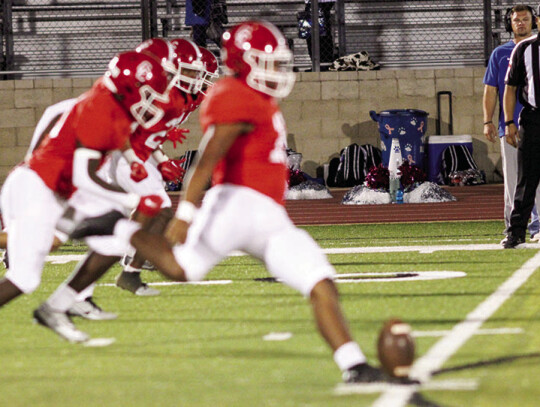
(462, 138)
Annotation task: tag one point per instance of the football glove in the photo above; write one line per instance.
(177, 134)
(138, 172)
(171, 170)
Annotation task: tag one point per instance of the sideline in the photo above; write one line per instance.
(438, 354)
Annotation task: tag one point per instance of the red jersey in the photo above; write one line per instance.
(256, 159)
(97, 121)
(145, 141)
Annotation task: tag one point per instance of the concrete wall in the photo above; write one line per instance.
(325, 112)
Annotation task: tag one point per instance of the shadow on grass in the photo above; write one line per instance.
(420, 401)
(490, 362)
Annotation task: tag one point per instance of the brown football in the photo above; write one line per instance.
(395, 348)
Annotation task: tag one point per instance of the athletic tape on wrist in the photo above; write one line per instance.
(186, 211)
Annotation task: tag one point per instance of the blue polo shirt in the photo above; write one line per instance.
(495, 75)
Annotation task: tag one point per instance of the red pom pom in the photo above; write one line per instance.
(378, 177)
(411, 174)
(295, 177)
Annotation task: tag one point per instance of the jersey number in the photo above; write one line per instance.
(156, 139)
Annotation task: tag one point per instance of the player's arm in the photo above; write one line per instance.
(138, 172)
(86, 163)
(489, 103)
(509, 103)
(45, 132)
(216, 142)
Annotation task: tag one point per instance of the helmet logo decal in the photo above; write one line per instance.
(243, 35)
(144, 71)
(113, 69)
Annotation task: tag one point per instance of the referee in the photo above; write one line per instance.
(523, 76)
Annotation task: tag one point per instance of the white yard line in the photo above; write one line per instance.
(166, 283)
(343, 389)
(494, 331)
(423, 249)
(65, 258)
(438, 354)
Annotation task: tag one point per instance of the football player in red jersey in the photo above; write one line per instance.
(183, 59)
(243, 150)
(85, 307)
(64, 167)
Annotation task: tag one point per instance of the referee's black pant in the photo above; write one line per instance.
(528, 157)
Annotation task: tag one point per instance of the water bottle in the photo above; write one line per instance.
(399, 196)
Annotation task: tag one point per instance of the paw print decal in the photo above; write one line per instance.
(413, 122)
(408, 147)
(402, 131)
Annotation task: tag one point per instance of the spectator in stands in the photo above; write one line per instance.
(326, 40)
(519, 20)
(206, 17)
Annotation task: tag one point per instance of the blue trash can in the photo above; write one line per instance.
(409, 126)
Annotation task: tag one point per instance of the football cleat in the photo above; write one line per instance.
(513, 242)
(364, 373)
(88, 309)
(60, 323)
(132, 282)
(535, 237)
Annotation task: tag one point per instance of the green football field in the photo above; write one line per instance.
(245, 341)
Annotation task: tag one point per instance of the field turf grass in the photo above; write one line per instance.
(202, 345)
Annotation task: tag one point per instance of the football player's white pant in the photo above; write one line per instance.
(239, 218)
(30, 211)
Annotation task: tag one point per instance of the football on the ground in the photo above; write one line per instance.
(395, 348)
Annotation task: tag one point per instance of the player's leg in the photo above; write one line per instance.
(211, 237)
(89, 270)
(510, 170)
(3, 240)
(292, 256)
(29, 210)
(104, 252)
(130, 277)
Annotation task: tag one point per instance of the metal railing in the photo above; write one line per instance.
(78, 38)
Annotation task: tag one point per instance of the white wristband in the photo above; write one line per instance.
(186, 211)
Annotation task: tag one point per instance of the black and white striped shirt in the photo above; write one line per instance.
(524, 71)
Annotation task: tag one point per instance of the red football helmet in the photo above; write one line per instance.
(257, 52)
(140, 82)
(211, 67)
(163, 51)
(189, 65)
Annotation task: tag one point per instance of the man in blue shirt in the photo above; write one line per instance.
(519, 20)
